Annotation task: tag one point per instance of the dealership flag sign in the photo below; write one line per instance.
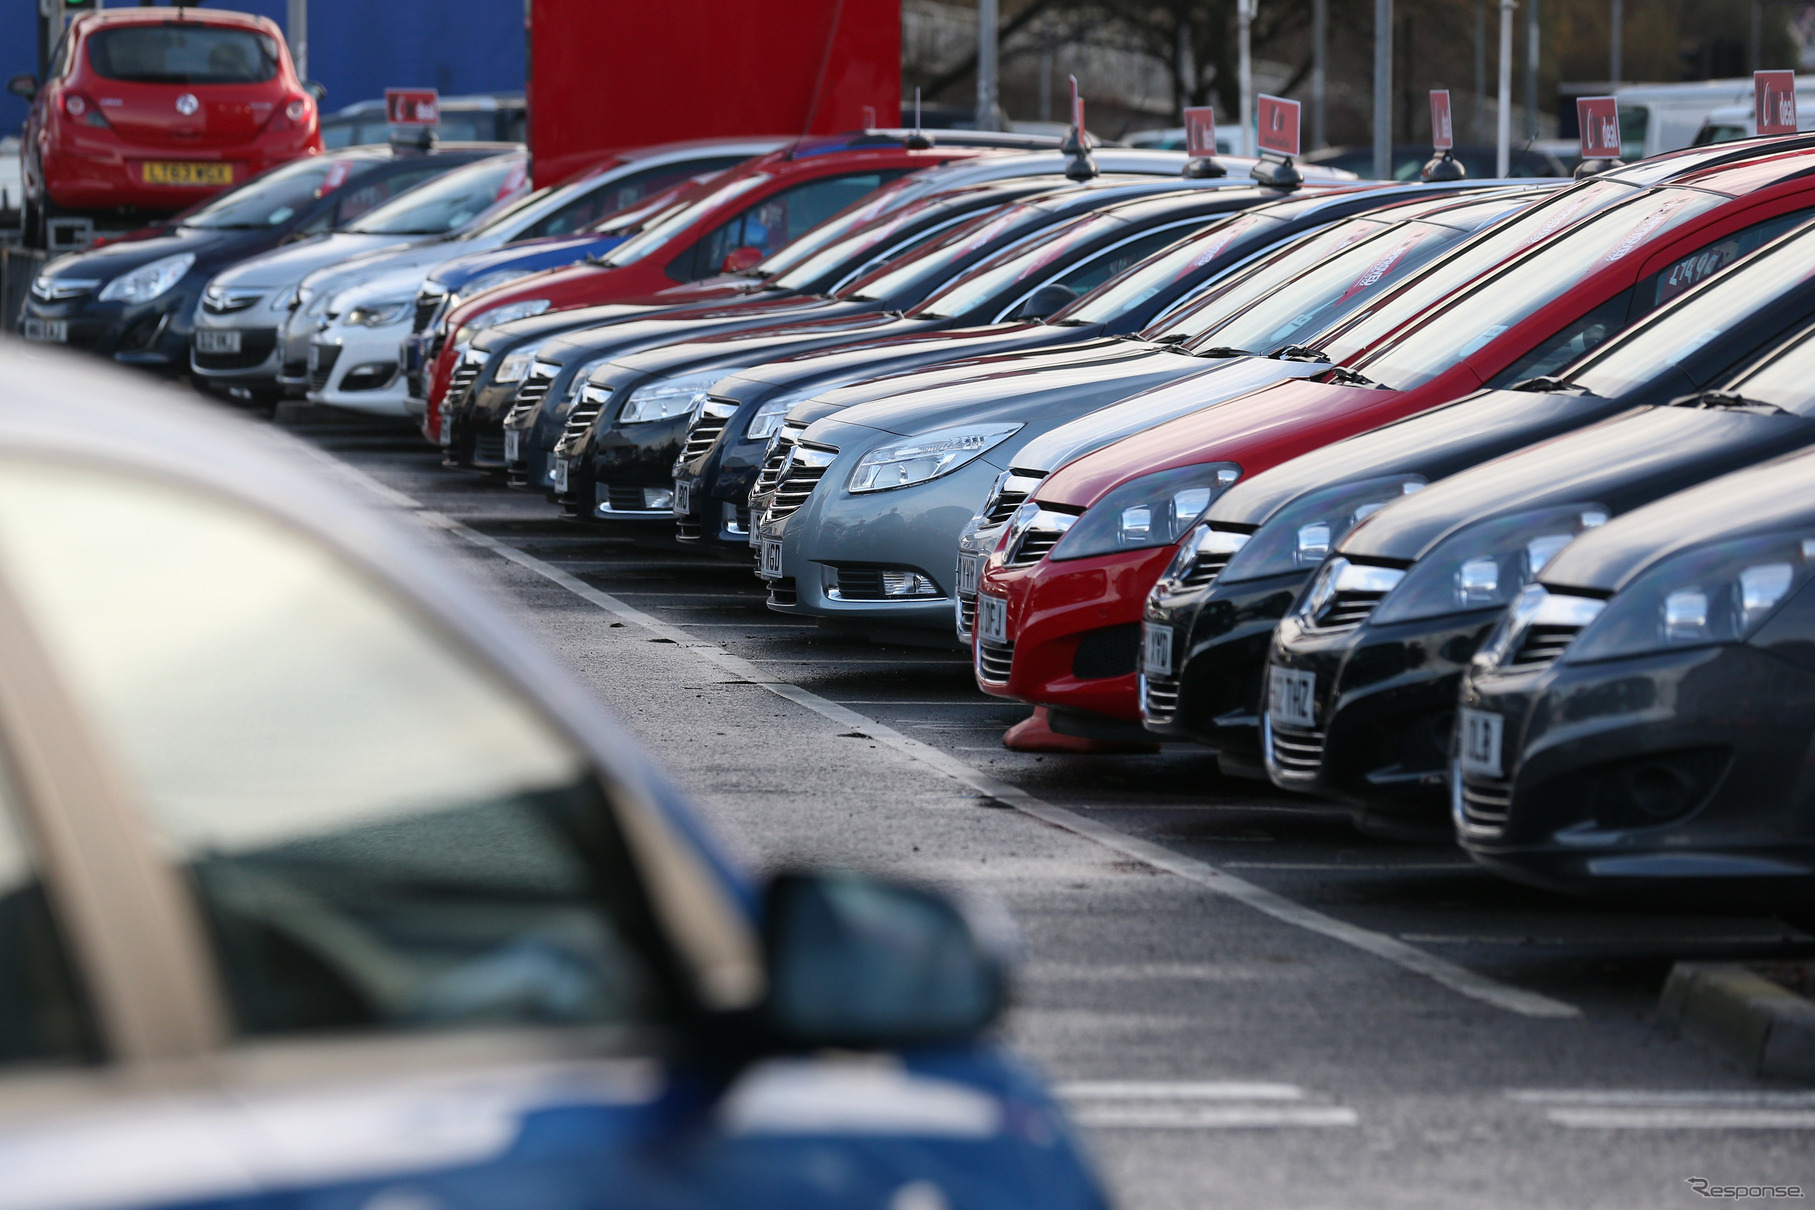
(1200, 131)
(1443, 128)
(1600, 121)
(412, 106)
(1774, 101)
(1278, 121)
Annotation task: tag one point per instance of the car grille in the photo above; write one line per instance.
(967, 616)
(860, 583)
(535, 387)
(464, 376)
(488, 448)
(1159, 698)
(426, 305)
(255, 344)
(1540, 647)
(781, 592)
(1206, 567)
(994, 661)
(1297, 752)
(592, 402)
(1350, 608)
(61, 289)
(322, 367)
(1033, 546)
(686, 529)
(706, 428)
(808, 467)
(1486, 802)
(216, 301)
(770, 474)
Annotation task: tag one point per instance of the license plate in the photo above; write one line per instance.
(166, 172)
(683, 498)
(513, 443)
(1291, 697)
(968, 568)
(47, 331)
(1156, 649)
(1481, 733)
(560, 474)
(769, 566)
(226, 340)
(992, 620)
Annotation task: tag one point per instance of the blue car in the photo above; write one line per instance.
(321, 888)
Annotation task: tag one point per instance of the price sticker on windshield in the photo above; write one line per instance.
(412, 106)
(1278, 119)
(1774, 101)
(1200, 131)
(1443, 127)
(1600, 121)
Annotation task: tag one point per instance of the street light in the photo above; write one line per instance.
(1383, 90)
(1503, 120)
(1244, 13)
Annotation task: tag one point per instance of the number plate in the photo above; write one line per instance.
(166, 172)
(226, 340)
(968, 568)
(1481, 733)
(560, 474)
(47, 331)
(683, 498)
(1292, 698)
(1156, 650)
(992, 620)
(513, 444)
(769, 567)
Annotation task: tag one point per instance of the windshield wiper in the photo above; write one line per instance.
(602, 262)
(1171, 338)
(1350, 378)
(1299, 353)
(1221, 351)
(1712, 400)
(1546, 385)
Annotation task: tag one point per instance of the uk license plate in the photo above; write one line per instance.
(1481, 736)
(769, 566)
(1292, 698)
(226, 340)
(968, 568)
(992, 620)
(1156, 649)
(683, 498)
(47, 331)
(176, 172)
(513, 444)
(560, 474)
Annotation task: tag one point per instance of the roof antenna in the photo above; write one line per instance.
(917, 141)
(1077, 141)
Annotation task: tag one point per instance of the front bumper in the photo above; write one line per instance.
(257, 363)
(358, 369)
(153, 335)
(717, 486)
(1682, 775)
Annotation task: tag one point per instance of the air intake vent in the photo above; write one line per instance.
(706, 427)
(1159, 698)
(534, 390)
(995, 661)
(805, 468)
(1540, 647)
(1349, 609)
(321, 365)
(1297, 753)
(592, 402)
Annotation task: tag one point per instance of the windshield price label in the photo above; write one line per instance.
(1774, 101)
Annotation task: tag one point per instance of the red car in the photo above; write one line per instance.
(731, 221)
(149, 110)
(1063, 593)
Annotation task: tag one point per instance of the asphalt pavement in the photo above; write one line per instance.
(1243, 1001)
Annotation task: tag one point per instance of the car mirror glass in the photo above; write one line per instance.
(857, 962)
(740, 259)
(1045, 301)
(23, 85)
(315, 88)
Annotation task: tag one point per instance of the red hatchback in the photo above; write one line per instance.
(1066, 585)
(149, 110)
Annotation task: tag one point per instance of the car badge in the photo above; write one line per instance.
(187, 104)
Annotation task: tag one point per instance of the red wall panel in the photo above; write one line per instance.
(606, 74)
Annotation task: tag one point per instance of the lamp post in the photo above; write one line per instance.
(1244, 13)
(1503, 119)
(986, 64)
(1383, 90)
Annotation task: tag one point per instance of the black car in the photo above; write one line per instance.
(726, 444)
(134, 300)
(1212, 616)
(1090, 237)
(1639, 722)
(1364, 668)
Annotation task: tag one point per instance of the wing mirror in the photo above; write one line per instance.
(24, 85)
(859, 963)
(1045, 301)
(740, 259)
(315, 88)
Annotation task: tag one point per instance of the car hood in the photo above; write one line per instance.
(1435, 444)
(603, 315)
(528, 256)
(394, 285)
(1758, 499)
(287, 266)
(887, 346)
(816, 327)
(675, 336)
(110, 260)
(1621, 464)
(415, 258)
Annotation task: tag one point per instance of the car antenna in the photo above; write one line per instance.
(917, 141)
(1077, 141)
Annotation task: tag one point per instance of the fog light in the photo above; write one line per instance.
(907, 584)
(658, 497)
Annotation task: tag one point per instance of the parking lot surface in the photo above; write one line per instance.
(1243, 1001)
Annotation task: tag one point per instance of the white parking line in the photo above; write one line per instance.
(1195, 1105)
(1457, 978)
(1668, 1109)
(1176, 1090)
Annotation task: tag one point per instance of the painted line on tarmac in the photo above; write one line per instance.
(1457, 978)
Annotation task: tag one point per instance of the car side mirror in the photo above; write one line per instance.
(1045, 301)
(315, 88)
(23, 85)
(863, 964)
(740, 259)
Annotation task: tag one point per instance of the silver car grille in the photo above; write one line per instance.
(1349, 608)
(807, 465)
(592, 402)
(1540, 647)
(1296, 752)
(706, 428)
(777, 457)
(460, 383)
(1159, 698)
(534, 389)
(1486, 803)
(995, 661)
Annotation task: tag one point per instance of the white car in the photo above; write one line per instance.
(352, 354)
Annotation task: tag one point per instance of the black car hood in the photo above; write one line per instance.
(214, 245)
(1435, 444)
(1621, 464)
(553, 323)
(888, 345)
(661, 343)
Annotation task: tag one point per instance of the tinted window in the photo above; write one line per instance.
(1022, 264)
(778, 219)
(1082, 279)
(1184, 261)
(276, 196)
(377, 831)
(1786, 379)
(365, 198)
(620, 194)
(182, 54)
(449, 203)
(938, 261)
(42, 1016)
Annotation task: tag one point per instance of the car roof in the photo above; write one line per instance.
(146, 15)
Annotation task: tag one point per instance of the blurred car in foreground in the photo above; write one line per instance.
(320, 886)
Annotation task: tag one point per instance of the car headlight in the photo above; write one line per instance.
(767, 421)
(1300, 535)
(1153, 510)
(1485, 565)
(380, 314)
(1718, 593)
(504, 314)
(481, 284)
(668, 397)
(515, 365)
(148, 281)
(926, 456)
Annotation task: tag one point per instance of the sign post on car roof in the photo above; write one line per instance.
(412, 107)
(1600, 122)
(1081, 166)
(1200, 143)
(1277, 132)
(1442, 166)
(1774, 101)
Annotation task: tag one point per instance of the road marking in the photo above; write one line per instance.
(1352, 865)
(1670, 1109)
(1208, 1117)
(1663, 1098)
(1683, 1119)
(1439, 970)
(1175, 1090)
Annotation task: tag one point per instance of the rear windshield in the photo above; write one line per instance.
(175, 53)
(447, 203)
(277, 196)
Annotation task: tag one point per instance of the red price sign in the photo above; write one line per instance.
(412, 106)
(1443, 128)
(1077, 108)
(1600, 122)
(1278, 121)
(1774, 101)
(1200, 131)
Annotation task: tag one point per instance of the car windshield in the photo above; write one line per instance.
(1786, 379)
(1012, 266)
(852, 220)
(932, 263)
(509, 210)
(1123, 293)
(657, 235)
(1670, 336)
(447, 203)
(1510, 295)
(278, 195)
(790, 270)
(178, 52)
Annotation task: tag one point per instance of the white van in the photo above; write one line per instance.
(1655, 118)
(1731, 122)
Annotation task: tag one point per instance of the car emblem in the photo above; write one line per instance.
(187, 104)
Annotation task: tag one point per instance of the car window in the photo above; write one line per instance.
(777, 220)
(449, 203)
(1184, 260)
(60, 59)
(1785, 380)
(275, 197)
(937, 261)
(366, 198)
(378, 832)
(43, 1017)
(172, 53)
(620, 194)
(1081, 279)
(1022, 263)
